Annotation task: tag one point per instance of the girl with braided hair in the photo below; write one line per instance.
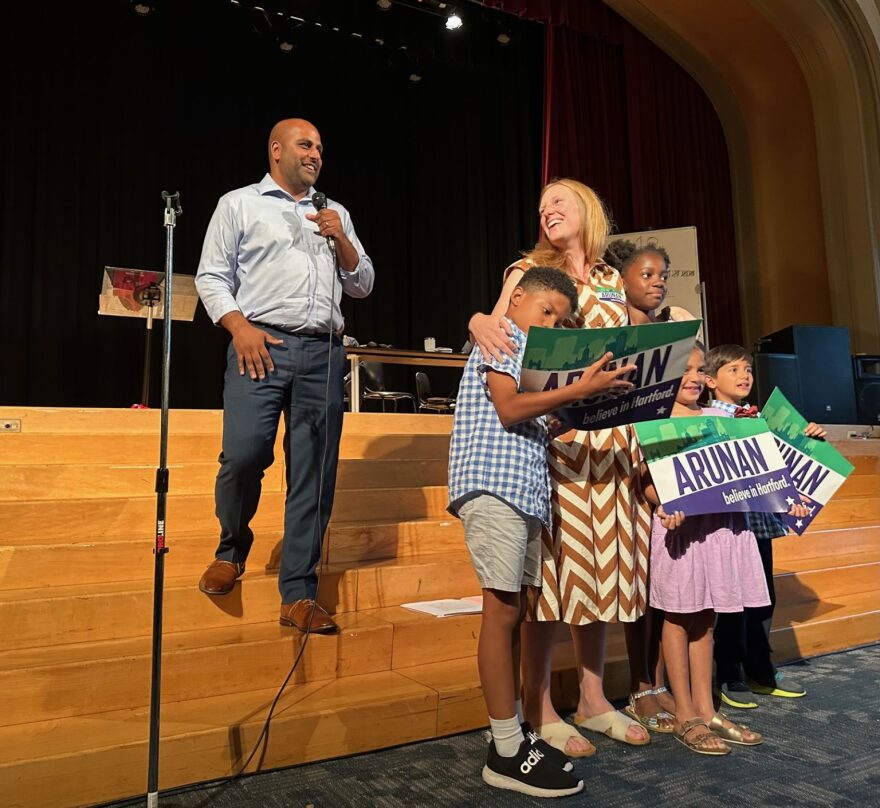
(644, 271)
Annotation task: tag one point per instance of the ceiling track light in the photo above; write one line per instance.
(438, 8)
(453, 21)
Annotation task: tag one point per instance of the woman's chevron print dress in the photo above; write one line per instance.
(595, 563)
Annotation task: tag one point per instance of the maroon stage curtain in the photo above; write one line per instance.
(625, 118)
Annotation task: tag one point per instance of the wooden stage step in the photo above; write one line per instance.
(105, 611)
(76, 566)
(48, 521)
(54, 482)
(48, 449)
(38, 565)
(26, 564)
(100, 757)
(45, 521)
(83, 678)
(63, 421)
(823, 543)
(127, 479)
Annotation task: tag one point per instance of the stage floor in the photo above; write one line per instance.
(820, 751)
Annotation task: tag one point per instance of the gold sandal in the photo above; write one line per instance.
(733, 734)
(659, 722)
(699, 745)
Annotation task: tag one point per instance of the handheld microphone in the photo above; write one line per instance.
(319, 200)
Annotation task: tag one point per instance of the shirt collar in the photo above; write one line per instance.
(723, 405)
(268, 186)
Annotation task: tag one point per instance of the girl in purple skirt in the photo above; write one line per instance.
(700, 567)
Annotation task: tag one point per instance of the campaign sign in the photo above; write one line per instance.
(709, 464)
(555, 357)
(816, 467)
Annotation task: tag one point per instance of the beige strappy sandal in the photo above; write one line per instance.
(558, 733)
(735, 733)
(698, 745)
(613, 724)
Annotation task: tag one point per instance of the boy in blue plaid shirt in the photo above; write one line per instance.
(743, 661)
(499, 486)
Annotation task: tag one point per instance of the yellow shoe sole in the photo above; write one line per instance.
(774, 691)
(730, 702)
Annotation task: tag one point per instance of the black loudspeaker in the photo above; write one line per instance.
(777, 370)
(866, 370)
(824, 370)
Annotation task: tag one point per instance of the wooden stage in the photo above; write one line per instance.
(77, 510)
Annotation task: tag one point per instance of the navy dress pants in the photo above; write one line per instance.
(311, 400)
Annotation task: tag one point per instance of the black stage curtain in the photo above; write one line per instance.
(105, 109)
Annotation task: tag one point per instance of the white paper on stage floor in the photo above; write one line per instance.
(447, 607)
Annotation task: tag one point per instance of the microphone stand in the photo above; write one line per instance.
(172, 211)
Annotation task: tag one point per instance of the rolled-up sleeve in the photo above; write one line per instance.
(215, 278)
(358, 282)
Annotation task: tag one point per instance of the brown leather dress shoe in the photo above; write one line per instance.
(220, 577)
(297, 614)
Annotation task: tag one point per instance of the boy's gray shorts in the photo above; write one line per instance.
(505, 545)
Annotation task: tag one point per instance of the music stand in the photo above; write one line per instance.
(140, 293)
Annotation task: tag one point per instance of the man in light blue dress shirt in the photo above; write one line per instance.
(268, 276)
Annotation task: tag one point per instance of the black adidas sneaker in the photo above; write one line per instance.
(530, 771)
(551, 752)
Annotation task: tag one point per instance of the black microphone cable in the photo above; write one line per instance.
(319, 200)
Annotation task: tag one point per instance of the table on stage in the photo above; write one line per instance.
(395, 356)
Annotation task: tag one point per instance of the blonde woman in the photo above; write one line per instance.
(595, 562)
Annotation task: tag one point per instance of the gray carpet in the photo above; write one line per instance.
(820, 751)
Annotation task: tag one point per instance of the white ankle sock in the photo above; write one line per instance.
(519, 712)
(507, 734)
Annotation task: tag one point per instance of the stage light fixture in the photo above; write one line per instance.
(384, 5)
(453, 22)
(142, 9)
(503, 39)
(415, 78)
(285, 46)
